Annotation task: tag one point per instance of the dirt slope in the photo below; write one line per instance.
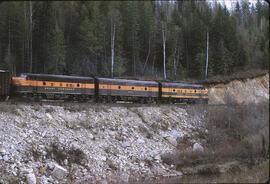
(240, 91)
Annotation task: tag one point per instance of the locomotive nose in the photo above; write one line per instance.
(17, 81)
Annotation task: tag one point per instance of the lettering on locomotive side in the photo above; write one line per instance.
(47, 88)
(66, 88)
(60, 89)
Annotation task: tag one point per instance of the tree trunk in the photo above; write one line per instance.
(174, 62)
(177, 61)
(56, 44)
(26, 41)
(30, 33)
(112, 44)
(164, 48)
(9, 47)
(133, 54)
(146, 57)
(187, 63)
(24, 33)
(206, 67)
(153, 65)
(104, 45)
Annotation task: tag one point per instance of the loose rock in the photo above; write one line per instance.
(197, 147)
(59, 172)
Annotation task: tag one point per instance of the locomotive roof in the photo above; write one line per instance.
(56, 76)
(128, 81)
(181, 84)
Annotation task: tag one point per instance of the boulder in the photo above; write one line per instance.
(124, 177)
(2, 151)
(157, 157)
(31, 178)
(178, 173)
(197, 147)
(176, 133)
(171, 140)
(29, 175)
(59, 172)
(140, 141)
(126, 144)
(5, 158)
(49, 116)
(90, 136)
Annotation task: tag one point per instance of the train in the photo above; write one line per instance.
(98, 89)
(4, 84)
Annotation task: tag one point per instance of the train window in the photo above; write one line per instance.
(78, 85)
(195, 91)
(145, 89)
(173, 90)
(132, 88)
(61, 84)
(66, 85)
(119, 87)
(51, 84)
(44, 83)
(70, 85)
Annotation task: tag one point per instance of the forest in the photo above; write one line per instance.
(152, 39)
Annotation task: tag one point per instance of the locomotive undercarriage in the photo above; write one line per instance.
(51, 96)
(106, 99)
(114, 99)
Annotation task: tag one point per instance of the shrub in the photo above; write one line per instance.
(238, 131)
(60, 153)
(234, 132)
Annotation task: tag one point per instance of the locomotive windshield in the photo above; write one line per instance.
(23, 75)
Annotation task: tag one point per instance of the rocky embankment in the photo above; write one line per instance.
(94, 143)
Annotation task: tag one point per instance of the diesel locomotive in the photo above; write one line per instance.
(48, 86)
(4, 84)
